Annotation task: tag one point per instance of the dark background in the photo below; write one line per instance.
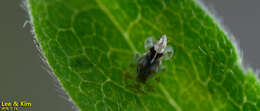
(23, 76)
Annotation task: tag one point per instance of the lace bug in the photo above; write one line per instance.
(148, 64)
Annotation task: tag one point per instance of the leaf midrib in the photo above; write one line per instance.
(111, 17)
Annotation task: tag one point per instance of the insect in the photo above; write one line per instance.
(149, 63)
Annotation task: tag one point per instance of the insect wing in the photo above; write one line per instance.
(148, 43)
(168, 53)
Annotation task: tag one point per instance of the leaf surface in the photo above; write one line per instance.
(90, 46)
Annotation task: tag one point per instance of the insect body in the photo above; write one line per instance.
(149, 63)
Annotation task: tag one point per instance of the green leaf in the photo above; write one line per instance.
(90, 46)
